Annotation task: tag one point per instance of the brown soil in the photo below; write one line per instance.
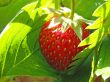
(32, 79)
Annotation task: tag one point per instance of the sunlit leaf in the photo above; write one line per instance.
(9, 11)
(104, 13)
(96, 25)
(103, 10)
(20, 45)
(93, 39)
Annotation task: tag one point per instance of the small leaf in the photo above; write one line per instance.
(96, 25)
(93, 39)
(102, 10)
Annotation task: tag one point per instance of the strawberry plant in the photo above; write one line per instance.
(67, 40)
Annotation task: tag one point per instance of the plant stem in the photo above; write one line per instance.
(57, 4)
(72, 9)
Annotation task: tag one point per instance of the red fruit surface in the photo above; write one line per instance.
(59, 45)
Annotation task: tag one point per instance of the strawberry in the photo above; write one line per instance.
(59, 45)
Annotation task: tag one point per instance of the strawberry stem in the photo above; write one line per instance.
(72, 9)
(57, 4)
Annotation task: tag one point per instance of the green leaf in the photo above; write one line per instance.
(19, 50)
(85, 10)
(9, 11)
(101, 24)
(96, 25)
(103, 12)
(103, 65)
(47, 3)
(93, 39)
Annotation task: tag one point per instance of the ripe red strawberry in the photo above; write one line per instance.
(59, 44)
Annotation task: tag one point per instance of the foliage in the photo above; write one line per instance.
(19, 45)
(8, 9)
